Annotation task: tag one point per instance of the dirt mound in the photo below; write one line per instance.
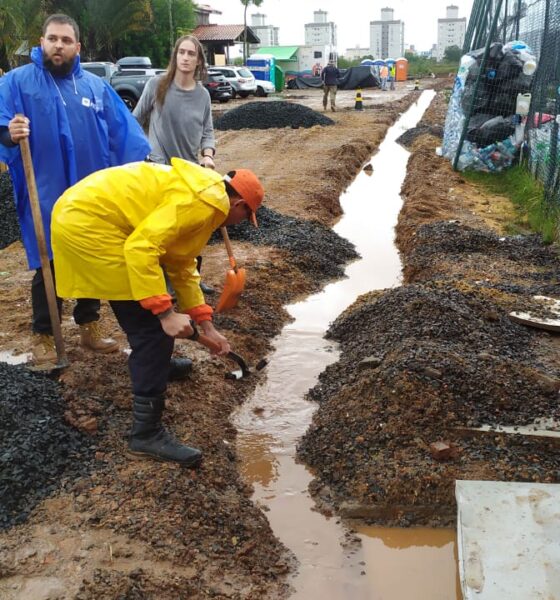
(420, 364)
(267, 115)
(40, 452)
(317, 250)
(433, 360)
(408, 137)
(9, 226)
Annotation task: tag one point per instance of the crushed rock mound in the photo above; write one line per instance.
(317, 250)
(267, 115)
(9, 226)
(39, 452)
(408, 137)
(421, 364)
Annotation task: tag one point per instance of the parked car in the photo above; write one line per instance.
(240, 78)
(264, 87)
(127, 80)
(218, 87)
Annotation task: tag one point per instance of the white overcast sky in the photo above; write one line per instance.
(352, 18)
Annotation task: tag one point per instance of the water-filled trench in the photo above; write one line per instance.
(386, 563)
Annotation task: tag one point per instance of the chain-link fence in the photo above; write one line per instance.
(506, 98)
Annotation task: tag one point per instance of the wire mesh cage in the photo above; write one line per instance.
(505, 102)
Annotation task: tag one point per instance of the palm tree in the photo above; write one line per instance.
(105, 22)
(11, 30)
(246, 4)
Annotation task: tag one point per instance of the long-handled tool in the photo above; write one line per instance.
(235, 279)
(62, 360)
(243, 371)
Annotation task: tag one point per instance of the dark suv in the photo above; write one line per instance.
(218, 87)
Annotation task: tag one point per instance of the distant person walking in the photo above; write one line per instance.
(329, 76)
(384, 74)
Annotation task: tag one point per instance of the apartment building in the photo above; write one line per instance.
(451, 31)
(386, 36)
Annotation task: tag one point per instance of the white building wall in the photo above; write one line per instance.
(354, 53)
(386, 39)
(309, 55)
(451, 32)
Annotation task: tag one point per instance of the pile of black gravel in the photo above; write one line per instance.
(316, 249)
(9, 226)
(38, 450)
(418, 364)
(267, 115)
(408, 137)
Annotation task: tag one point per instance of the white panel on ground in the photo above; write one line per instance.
(508, 539)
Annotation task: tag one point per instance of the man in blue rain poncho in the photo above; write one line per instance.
(76, 125)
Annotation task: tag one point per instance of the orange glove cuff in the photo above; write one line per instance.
(157, 304)
(200, 313)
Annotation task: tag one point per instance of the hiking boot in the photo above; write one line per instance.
(149, 438)
(181, 368)
(333, 108)
(92, 338)
(44, 350)
(206, 289)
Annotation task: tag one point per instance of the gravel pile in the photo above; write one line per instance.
(39, 452)
(408, 137)
(455, 240)
(419, 364)
(9, 226)
(316, 249)
(267, 115)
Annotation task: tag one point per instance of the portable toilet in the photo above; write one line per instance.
(402, 69)
(280, 79)
(262, 66)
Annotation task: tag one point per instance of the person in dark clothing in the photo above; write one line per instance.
(329, 76)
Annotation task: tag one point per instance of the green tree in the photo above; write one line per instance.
(155, 41)
(11, 27)
(452, 54)
(246, 5)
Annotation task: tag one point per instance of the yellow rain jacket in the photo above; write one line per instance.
(114, 230)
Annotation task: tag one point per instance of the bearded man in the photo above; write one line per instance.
(76, 125)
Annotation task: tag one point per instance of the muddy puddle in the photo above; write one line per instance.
(335, 561)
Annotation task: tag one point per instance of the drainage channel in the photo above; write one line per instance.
(335, 562)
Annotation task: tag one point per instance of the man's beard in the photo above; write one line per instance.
(61, 70)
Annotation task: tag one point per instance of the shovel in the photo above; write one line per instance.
(62, 360)
(243, 371)
(235, 279)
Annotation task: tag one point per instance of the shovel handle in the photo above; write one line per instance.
(43, 253)
(229, 248)
(214, 347)
(202, 339)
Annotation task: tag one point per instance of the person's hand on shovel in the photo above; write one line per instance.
(221, 343)
(176, 324)
(19, 128)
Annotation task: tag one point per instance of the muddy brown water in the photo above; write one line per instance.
(335, 561)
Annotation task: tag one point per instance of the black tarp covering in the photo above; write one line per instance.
(363, 76)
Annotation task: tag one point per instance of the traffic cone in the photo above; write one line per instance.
(359, 103)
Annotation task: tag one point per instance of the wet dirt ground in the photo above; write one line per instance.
(138, 529)
(447, 359)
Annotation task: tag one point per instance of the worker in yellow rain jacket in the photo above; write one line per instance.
(114, 232)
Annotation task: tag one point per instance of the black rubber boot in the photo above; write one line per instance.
(181, 368)
(206, 289)
(148, 437)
